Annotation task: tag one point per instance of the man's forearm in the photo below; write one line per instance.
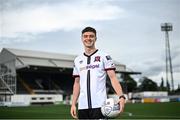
(117, 87)
(76, 90)
(115, 83)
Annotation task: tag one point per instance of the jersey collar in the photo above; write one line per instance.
(90, 54)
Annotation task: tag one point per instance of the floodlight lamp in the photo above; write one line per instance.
(166, 27)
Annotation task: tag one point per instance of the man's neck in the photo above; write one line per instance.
(89, 51)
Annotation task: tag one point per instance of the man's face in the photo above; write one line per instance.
(89, 39)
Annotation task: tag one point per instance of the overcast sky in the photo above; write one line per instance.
(129, 30)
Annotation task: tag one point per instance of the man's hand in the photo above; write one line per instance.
(121, 103)
(73, 111)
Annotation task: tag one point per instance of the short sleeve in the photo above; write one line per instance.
(108, 63)
(75, 71)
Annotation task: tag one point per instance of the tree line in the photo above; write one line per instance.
(145, 84)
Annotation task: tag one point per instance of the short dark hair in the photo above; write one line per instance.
(89, 29)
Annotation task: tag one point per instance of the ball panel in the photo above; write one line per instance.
(110, 108)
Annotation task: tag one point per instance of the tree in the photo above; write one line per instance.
(162, 83)
(177, 91)
(131, 83)
(161, 87)
(167, 86)
(147, 85)
(128, 84)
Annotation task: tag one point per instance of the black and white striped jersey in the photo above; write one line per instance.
(92, 72)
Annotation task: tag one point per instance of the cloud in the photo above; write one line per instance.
(175, 52)
(18, 39)
(154, 69)
(39, 18)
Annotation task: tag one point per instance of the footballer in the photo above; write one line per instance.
(90, 70)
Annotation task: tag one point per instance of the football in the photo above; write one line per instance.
(111, 108)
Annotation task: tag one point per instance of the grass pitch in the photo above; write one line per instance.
(170, 110)
(132, 111)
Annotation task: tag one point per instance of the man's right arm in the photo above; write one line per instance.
(76, 91)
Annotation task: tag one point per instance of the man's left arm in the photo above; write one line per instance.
(117, 87)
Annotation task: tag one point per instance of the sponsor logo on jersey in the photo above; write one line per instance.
(88, 67)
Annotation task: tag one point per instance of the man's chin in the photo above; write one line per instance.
(89, 46)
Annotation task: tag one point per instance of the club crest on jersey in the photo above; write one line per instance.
(97, 59)
(108, 57)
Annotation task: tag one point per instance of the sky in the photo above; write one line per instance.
(128, 30)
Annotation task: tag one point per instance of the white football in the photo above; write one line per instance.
(110, 109)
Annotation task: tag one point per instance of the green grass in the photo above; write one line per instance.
(169, 110)
(137, 110)
(37, 112)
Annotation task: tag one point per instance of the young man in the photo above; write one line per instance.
(90, 71)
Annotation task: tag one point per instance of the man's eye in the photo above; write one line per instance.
(91, 36)
(85, 36)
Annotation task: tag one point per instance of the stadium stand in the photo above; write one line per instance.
(37, 76)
